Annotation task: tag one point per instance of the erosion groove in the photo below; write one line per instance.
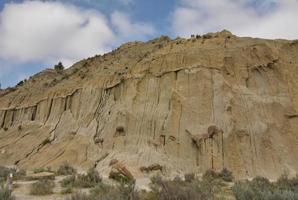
(187, 104)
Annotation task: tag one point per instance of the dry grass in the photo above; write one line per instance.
(42, 187)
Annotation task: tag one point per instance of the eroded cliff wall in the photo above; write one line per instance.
(187, 104)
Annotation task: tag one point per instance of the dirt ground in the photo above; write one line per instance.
(22, 191)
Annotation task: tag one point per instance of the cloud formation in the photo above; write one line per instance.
(47, 31)
(267, 19)
(128, 29)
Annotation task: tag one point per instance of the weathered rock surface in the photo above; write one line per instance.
(152, 103)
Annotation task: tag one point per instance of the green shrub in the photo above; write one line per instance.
(79, 196)
(119, 192)
(226, 175)
(59, 67)
(42, 187)
(88, 180)
(261, 188)
(284, 183)
(17, 174)
(67, 190)
(189, 177)
(5, 194)
(40, 170)
(66, 169)
(108, 192)
(68, 181)
(4, 172)
(210, 175)
(182, 190)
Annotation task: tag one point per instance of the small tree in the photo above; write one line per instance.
(59, 67)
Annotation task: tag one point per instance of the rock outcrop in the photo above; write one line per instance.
(214, 101)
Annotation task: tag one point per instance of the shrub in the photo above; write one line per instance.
(121, 191)
(42, 187)
(88, 180)
(67, 190)
(66, 169)
(210, 175)
(39, 170)
(189, 177)
(286, 184)
(196, 189)
(226, 175)
(4, 172)
(79, 196)
(59, 67)
(260, 188)
(68, 181)
(5, 194)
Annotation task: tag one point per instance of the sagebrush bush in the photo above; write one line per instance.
(189, 177)
(261, 188)
(183, 190)
(67, 190)
(42, 187)
(5, 194)
(226, 175)
(66, 169)
(79, 196)
(82, 180)
(119, 192)
(68, 181)
(39, 170)
(210, 175)
(4, 172)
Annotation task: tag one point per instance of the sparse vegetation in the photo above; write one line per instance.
(108, 192)
(67, 190)
(226, 175)
(5, 194)
(88, 180)
(79, 196)
(59, 67)
(42, 187)
(17, 174)
(39, 170)
(189, 177)
(184, 190)
(261, 188)
(66, 169)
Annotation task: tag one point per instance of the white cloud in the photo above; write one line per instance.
(51, 31)
(238, 16)
(129, 30)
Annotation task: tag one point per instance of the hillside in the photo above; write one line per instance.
(209, 102)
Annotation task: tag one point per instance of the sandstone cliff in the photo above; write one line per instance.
(186, 104)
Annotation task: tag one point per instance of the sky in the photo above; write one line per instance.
(37, 34)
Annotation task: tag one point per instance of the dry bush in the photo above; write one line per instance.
(261, 188)
(88, 180)
(182, 190)
(66, 169)
(5, 194)
(42, 187)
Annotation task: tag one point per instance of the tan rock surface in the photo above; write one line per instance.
(144, 103)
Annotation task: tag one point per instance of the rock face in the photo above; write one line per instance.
(187, 104)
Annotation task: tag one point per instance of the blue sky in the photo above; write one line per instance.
(37, 34)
